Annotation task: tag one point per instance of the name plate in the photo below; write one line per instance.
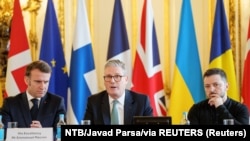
(29, 134)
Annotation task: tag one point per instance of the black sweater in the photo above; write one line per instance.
(204, 114)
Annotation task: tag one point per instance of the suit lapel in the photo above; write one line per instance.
(105, 110)
(128, 108)
(24, 104)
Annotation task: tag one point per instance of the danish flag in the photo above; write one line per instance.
(19, 55)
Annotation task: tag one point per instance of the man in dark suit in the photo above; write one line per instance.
(130, 104)
(17, 108)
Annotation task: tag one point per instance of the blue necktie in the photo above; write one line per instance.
(34, 109)
(114, 114)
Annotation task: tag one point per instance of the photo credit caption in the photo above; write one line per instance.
(73, 131)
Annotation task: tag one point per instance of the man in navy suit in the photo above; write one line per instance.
(17, 108)
(130, 104)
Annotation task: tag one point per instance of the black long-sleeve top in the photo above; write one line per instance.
(204, 114)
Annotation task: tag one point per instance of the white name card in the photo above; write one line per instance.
(29, 134)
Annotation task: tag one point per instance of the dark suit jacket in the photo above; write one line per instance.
(98, 109)
(16, 108)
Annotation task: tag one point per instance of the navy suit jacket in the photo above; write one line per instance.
(16, 108)
(98, 109)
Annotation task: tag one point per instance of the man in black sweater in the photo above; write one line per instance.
(218, 105)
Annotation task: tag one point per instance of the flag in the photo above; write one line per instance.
(19, 55)
(246, 73)
(221, 55)
(118, 41)
(187, 86)
(82, 78)
(147, 74)
(52, 53)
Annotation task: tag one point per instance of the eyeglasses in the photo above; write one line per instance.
(117, 78)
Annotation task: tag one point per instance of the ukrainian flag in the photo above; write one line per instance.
(187, 81)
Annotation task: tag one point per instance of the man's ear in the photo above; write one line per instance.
(227, 85)
(26, 80)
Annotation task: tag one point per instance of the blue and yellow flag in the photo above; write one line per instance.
(187, 81)
(221, 55)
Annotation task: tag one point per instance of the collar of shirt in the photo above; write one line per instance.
(29, 97)
(120, 99)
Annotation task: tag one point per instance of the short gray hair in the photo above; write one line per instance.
(116, 63)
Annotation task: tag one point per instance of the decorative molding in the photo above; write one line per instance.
(33, 6)
(61, 21)
(232, 27)
(6, 12)
(239, 42)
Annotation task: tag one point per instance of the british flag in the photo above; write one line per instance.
(147, 74)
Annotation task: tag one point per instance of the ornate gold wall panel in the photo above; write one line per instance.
(33, 7)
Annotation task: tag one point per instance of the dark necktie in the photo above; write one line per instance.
(34, 109)
(114, 114)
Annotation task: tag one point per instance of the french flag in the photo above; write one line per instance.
(118, 42)
(147, 74)
(82, 76)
